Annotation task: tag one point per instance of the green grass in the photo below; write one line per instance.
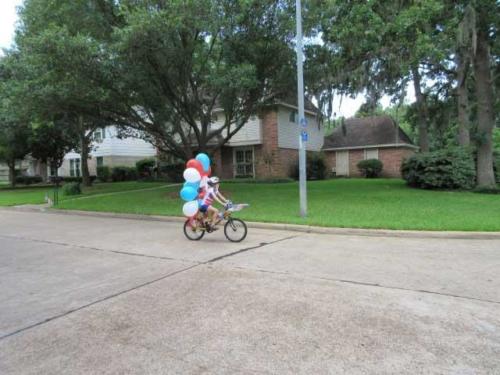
(36, 195)
(354, 203)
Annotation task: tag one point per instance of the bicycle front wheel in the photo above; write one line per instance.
(235, 230)
(193, 234)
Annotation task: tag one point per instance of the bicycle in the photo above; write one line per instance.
(235, 230)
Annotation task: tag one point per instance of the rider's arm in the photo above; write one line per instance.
(222, 198)
(216, 197)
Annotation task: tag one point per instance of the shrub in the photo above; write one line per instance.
(174, 172)
(123, 174)
(370, 168)
(145, 167)
(72, 188)
(444, 169)
(103, 173)
(316, 168)
(28, 180)
(260, 181)
(78, 179)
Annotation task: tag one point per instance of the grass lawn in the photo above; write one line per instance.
(36, 195)
(355, 203)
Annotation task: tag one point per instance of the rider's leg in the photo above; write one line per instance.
(213, 213)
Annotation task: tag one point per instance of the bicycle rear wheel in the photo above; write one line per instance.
(193, 234)
(235, 230)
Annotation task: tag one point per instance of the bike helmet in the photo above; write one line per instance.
(212, 181)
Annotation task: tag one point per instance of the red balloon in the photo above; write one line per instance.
(193, 163)
(208, 173)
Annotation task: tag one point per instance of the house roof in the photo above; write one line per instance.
(292, 101)
(367, 131)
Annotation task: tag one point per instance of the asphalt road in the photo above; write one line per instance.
(94, 295)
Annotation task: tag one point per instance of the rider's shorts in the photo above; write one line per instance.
(204, 208)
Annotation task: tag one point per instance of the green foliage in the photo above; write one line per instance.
(71, 188)
(316, 168)
(446, 169)
(145, 167)
(103, 173)
(123, 174)
(370, 168)
(28, 180)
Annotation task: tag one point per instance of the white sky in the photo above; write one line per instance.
(8, 18)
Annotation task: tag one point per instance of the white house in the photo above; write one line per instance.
(108, 150)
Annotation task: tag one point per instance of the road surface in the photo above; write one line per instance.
(96, 295)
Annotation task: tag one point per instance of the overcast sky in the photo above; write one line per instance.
(8, 18)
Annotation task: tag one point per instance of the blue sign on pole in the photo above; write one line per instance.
(304, 135)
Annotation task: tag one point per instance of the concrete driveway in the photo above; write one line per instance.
(94, 295)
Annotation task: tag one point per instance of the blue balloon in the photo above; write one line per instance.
(188, 193)
(194, 185)
(204, 160)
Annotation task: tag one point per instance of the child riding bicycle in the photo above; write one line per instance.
(212, 193)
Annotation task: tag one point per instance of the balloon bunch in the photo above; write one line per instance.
(196, 175)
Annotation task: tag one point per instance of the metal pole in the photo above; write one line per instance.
(300, 95)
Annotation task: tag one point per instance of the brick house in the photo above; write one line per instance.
(357, 139)
(267, 145)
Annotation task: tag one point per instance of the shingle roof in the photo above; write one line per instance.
(368, 131)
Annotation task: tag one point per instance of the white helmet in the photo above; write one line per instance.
(212, 181)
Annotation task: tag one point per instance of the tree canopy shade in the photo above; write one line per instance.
(183, 60)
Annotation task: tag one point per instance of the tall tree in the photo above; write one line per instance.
(14, 130)
(62, 47)
(486, 24)
(183, 61)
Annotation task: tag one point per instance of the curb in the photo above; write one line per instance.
(276, 226)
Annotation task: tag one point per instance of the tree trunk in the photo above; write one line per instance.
(463, 101)
(12, 173)
(84, 152)
(485, 114)
(423, 137)
(43, 170)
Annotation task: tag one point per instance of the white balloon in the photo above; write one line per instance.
(190, 208)
(192, 175)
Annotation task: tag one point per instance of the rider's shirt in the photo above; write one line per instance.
(209, 197)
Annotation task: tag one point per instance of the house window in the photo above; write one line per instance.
(74, 168)
(99, 161)
(243, 162)
(371, 153)
(293, 117)
(99, 134)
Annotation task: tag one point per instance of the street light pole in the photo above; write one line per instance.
(302, 123)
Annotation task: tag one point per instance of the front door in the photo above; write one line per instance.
(342, 163)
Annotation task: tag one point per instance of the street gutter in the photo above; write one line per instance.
(465, 235)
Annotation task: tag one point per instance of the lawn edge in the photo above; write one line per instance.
(277, 226)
